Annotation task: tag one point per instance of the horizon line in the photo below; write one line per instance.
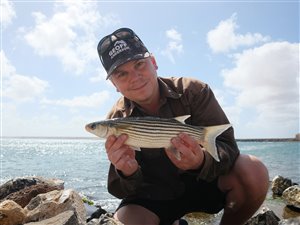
(97, 138)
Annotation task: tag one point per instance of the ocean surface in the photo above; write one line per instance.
(83, 165)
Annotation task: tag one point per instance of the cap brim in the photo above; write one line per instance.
(123, 61)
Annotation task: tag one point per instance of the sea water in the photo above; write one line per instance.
(83, 164)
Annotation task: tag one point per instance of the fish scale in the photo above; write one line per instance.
(154, 132)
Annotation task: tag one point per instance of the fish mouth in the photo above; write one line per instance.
(89, 127)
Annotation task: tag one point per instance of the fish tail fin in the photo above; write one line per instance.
(210, 135)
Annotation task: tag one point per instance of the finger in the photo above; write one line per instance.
(190, 142)
(180, 146)
(115, 155)
(127, 165)
(110, 141)
(173, 154)
(118, 142)
(121, 162)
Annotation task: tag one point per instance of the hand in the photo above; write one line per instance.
(191, 153)
(121, 155)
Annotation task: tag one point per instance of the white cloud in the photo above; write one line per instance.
(100, 76)
(69, 34)
(232, 112)
(174, 46)
(223, 38)
(19, 87)
(266, 79)
(95, 100)
(15, 123)
(7, 12)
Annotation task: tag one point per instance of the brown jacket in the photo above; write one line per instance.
(157, 178)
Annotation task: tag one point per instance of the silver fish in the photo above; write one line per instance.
(154, 132)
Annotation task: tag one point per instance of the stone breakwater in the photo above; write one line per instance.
(40, 201)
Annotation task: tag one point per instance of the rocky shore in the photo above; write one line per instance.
(41, 201)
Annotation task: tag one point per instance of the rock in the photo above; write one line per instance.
(15, 185)
(290, 212)
(93, 222)
(105, 219)
(291, 221)
(24, 196)
(291, 196)
(90, 209)
(50, 204)
(266, 217)
(11, 213)
(64, 218)
(279, 184)
(97, 214)
(20, 183)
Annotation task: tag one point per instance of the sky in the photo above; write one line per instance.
(52, 81)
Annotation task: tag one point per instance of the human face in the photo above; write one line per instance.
(137, 80)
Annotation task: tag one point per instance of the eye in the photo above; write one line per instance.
(120, 75)
(140, 64)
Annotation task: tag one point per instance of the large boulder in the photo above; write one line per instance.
(11, 213)
(291, 196)
(64, 218)
(23, 197)
(279, 184)
(20, 183)
(16, 185)
(50, 204)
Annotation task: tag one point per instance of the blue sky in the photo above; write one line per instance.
(52, 82)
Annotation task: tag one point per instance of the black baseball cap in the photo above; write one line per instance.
(119, 47)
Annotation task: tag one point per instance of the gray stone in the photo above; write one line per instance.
(15, 185)
(105, 219)
(98, 211)
(93, 222)
(64, 218)
(50, 204)
(279, 184)
(20, 183)
(24, 196)
(266, 217)
(291, 221)
(291, 196)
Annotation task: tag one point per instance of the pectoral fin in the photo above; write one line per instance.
(135, 148)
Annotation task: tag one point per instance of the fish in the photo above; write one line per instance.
(155, 132)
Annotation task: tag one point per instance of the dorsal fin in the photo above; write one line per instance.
(181, 119)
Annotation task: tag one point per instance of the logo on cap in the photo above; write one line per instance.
(119, 46)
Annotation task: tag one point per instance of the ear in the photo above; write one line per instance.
(154, 62)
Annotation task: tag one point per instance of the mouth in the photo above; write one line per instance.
(139, 87)
(87, 128)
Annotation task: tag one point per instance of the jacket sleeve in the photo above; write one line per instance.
(117, 184)
(206, 111)
(120, 186)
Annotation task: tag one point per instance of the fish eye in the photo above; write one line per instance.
(93, 126)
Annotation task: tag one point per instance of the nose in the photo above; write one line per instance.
(134, 75)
